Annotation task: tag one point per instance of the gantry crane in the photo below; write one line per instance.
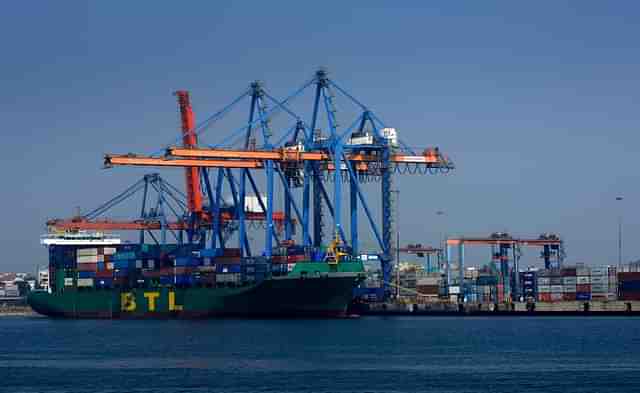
(304, 158)
(501, 244)
(425, 252)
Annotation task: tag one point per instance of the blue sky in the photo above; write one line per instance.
(537, 104)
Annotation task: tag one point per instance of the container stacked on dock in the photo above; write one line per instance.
(544, 285)
(583, 283)
(629, 284)
(429, 285)
(529, 287)
(557, 289)
(569, 282)
(602, 287)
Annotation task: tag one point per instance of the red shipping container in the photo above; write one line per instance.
(629, 276)
(87, 267)
(585, 288)
(104, 274)
(568, 272)
(544, 297)
(151, 273)
(166, 271)
(183, 270)
(227, 260)
(630, 296)
(569, 297)
(231, 252)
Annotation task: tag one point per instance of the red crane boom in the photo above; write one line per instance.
(190, 141)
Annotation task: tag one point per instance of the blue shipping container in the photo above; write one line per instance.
(166, 280)
(210, 252)
(279, 268)
(184, 280)
(121, 272)
(583, 295)
(188, 261)
(235, 268)
(123, 264)
(104, 282)
(630, 286)
(86, 274)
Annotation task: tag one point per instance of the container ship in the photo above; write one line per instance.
(216, 267)
(94, 275)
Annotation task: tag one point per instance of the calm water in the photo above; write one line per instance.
(356, 355)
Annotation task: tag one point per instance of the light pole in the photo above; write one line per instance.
(443, 245)
(397, 192)
(619, 199)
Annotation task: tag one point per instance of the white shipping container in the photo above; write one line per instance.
(544, 281)
(83, 252)
(252, 204)
(11, 293)
(228, 277)
(139, 264)
(583, 280)
(152, 263)
(2, 293)
(569, 280)
(454, 290)
(597, 288)
(109, 251)
(544, 288)
(569, 288)
(428, 281)
(361, 140)
(599, 271)
(68, 282)
(87, 259)
(599, 279)
(556, 289)
(85, 282)
(453, 298)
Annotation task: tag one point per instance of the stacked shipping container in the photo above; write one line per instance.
(145, 265)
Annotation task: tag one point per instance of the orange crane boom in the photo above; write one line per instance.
(77, 224)
(219, 158)
(133, 160)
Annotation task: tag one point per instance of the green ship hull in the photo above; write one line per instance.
(313, 290)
